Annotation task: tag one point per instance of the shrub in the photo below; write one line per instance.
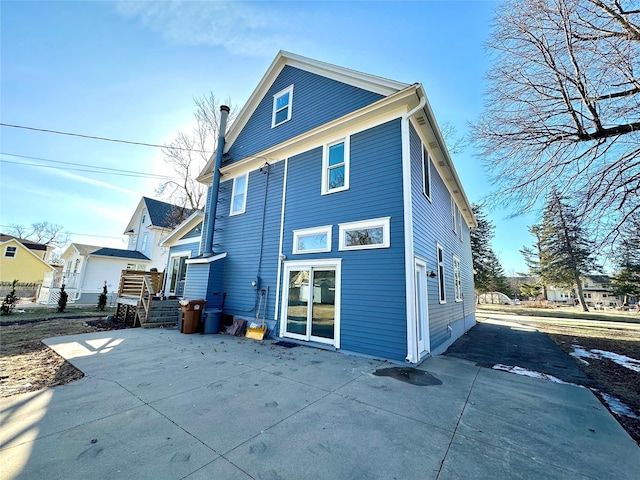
(62, 301)
(102, 299)
(9, 302)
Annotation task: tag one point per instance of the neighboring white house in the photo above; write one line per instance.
(150, 224)
(86, 269)
(596, 289)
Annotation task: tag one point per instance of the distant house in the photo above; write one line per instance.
(596, 289)
(150, 223)
(183, 243)
(86, 268)
(23, 260)
(335, 212)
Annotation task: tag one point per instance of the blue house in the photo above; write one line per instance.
(335, 212)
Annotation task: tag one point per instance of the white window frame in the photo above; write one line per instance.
(327, 230)
(426, 173)
(326, 168)
(457, 279)
(454, 215)
(233, 195)
(460, 224)
(383, 222)
(14, 251)
(442, 285)
(289, 106)
(145, 239)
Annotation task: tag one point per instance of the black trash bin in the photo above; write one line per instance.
(212, 320)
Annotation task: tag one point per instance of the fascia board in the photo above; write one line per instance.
(137, 211)
(206, 259)
(183, 228)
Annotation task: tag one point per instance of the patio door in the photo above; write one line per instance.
(177, 275)
(311, 302)
(421, 307)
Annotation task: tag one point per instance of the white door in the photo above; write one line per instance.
(422, 318)
(311, 302)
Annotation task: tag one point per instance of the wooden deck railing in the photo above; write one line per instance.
(132, 282)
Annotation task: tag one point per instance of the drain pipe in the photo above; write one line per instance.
(215, 185)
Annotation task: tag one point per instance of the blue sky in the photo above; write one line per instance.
(130, 70)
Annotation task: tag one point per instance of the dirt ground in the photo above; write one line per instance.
(27, 365)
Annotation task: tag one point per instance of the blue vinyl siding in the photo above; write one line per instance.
(205, 222)
(316, 101)
(432, 224)
(245, 242)
(197, 280)
(373, 308)
(194, 233)
(192, 248)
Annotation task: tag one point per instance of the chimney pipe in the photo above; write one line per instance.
(215, 185)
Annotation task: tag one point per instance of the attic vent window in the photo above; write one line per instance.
(10, 252)
(282, 106)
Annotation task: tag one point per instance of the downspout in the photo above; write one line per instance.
(215, 185)
(412, 338)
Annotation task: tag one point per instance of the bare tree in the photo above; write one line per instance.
(563, 107)
(41, 232)
(189, 153)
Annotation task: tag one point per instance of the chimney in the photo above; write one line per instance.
(215, 185)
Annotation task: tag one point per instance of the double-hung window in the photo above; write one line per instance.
(457, 281)
(426, 173)
(239, 195)
(441, 284)
(10, 252)
(282, 102)
(365, 234)
(454, 215)
(335, 167)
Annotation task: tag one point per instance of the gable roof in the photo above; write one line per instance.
(31, 245)
(161, 214)
(17, 242)
(120, 253)
(185, 227)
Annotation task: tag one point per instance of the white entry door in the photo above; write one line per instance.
(311, 302)
(421, 309)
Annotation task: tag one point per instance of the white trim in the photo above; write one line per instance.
(426, 338)
(454, 215)
(15, 251)
(178, 254)
(412, 340)
(276, 96)
(457, 279)
(326, 230)
(233, 194)
(442, 284)
(383, 222)
(280, 254)
(183, 229)
(206, 259)
(426, 178)
(326, 168)
(336, 264)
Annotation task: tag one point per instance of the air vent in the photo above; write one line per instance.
(441, 164)
(433, 145)
(421, 120)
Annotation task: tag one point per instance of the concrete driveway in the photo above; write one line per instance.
(158, 404)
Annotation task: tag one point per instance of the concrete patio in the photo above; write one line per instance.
(163, 405)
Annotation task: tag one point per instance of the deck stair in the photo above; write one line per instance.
(139, 304)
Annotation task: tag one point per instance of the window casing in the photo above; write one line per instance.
(335, 166)
(312, 240)
(454, 215)
(426, 173)
(366, 234)
(441, 282)
(145, 237)
(457, 281)
(239, 195)
(10, 252)
(282, 103)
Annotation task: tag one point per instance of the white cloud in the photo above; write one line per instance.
(246, 28)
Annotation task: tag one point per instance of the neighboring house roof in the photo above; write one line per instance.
(81, 248)
(161, 214)
(120, 253)
(409, 98)
(600, 279)
(185, 227)
(26, 243)
(19, 244)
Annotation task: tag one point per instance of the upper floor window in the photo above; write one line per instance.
(282, 106)
(426, 173)
(144, 217)
(145, 237)
(455, 215)
(441, 284)
(335, 167)
(312, 240)
(457, 280)
(365, 234)
(239, 195)
(10, 252)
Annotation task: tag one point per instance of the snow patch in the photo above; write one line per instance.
(529, 373)
(623, 360)
(617, 407)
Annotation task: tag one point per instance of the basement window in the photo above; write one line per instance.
(282, 106)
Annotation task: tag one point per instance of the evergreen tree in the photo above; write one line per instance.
(532, 260)
(102, 298)
(626, 281)
(62, 301)
(489, 274)
(566, 253)
(10, 300)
